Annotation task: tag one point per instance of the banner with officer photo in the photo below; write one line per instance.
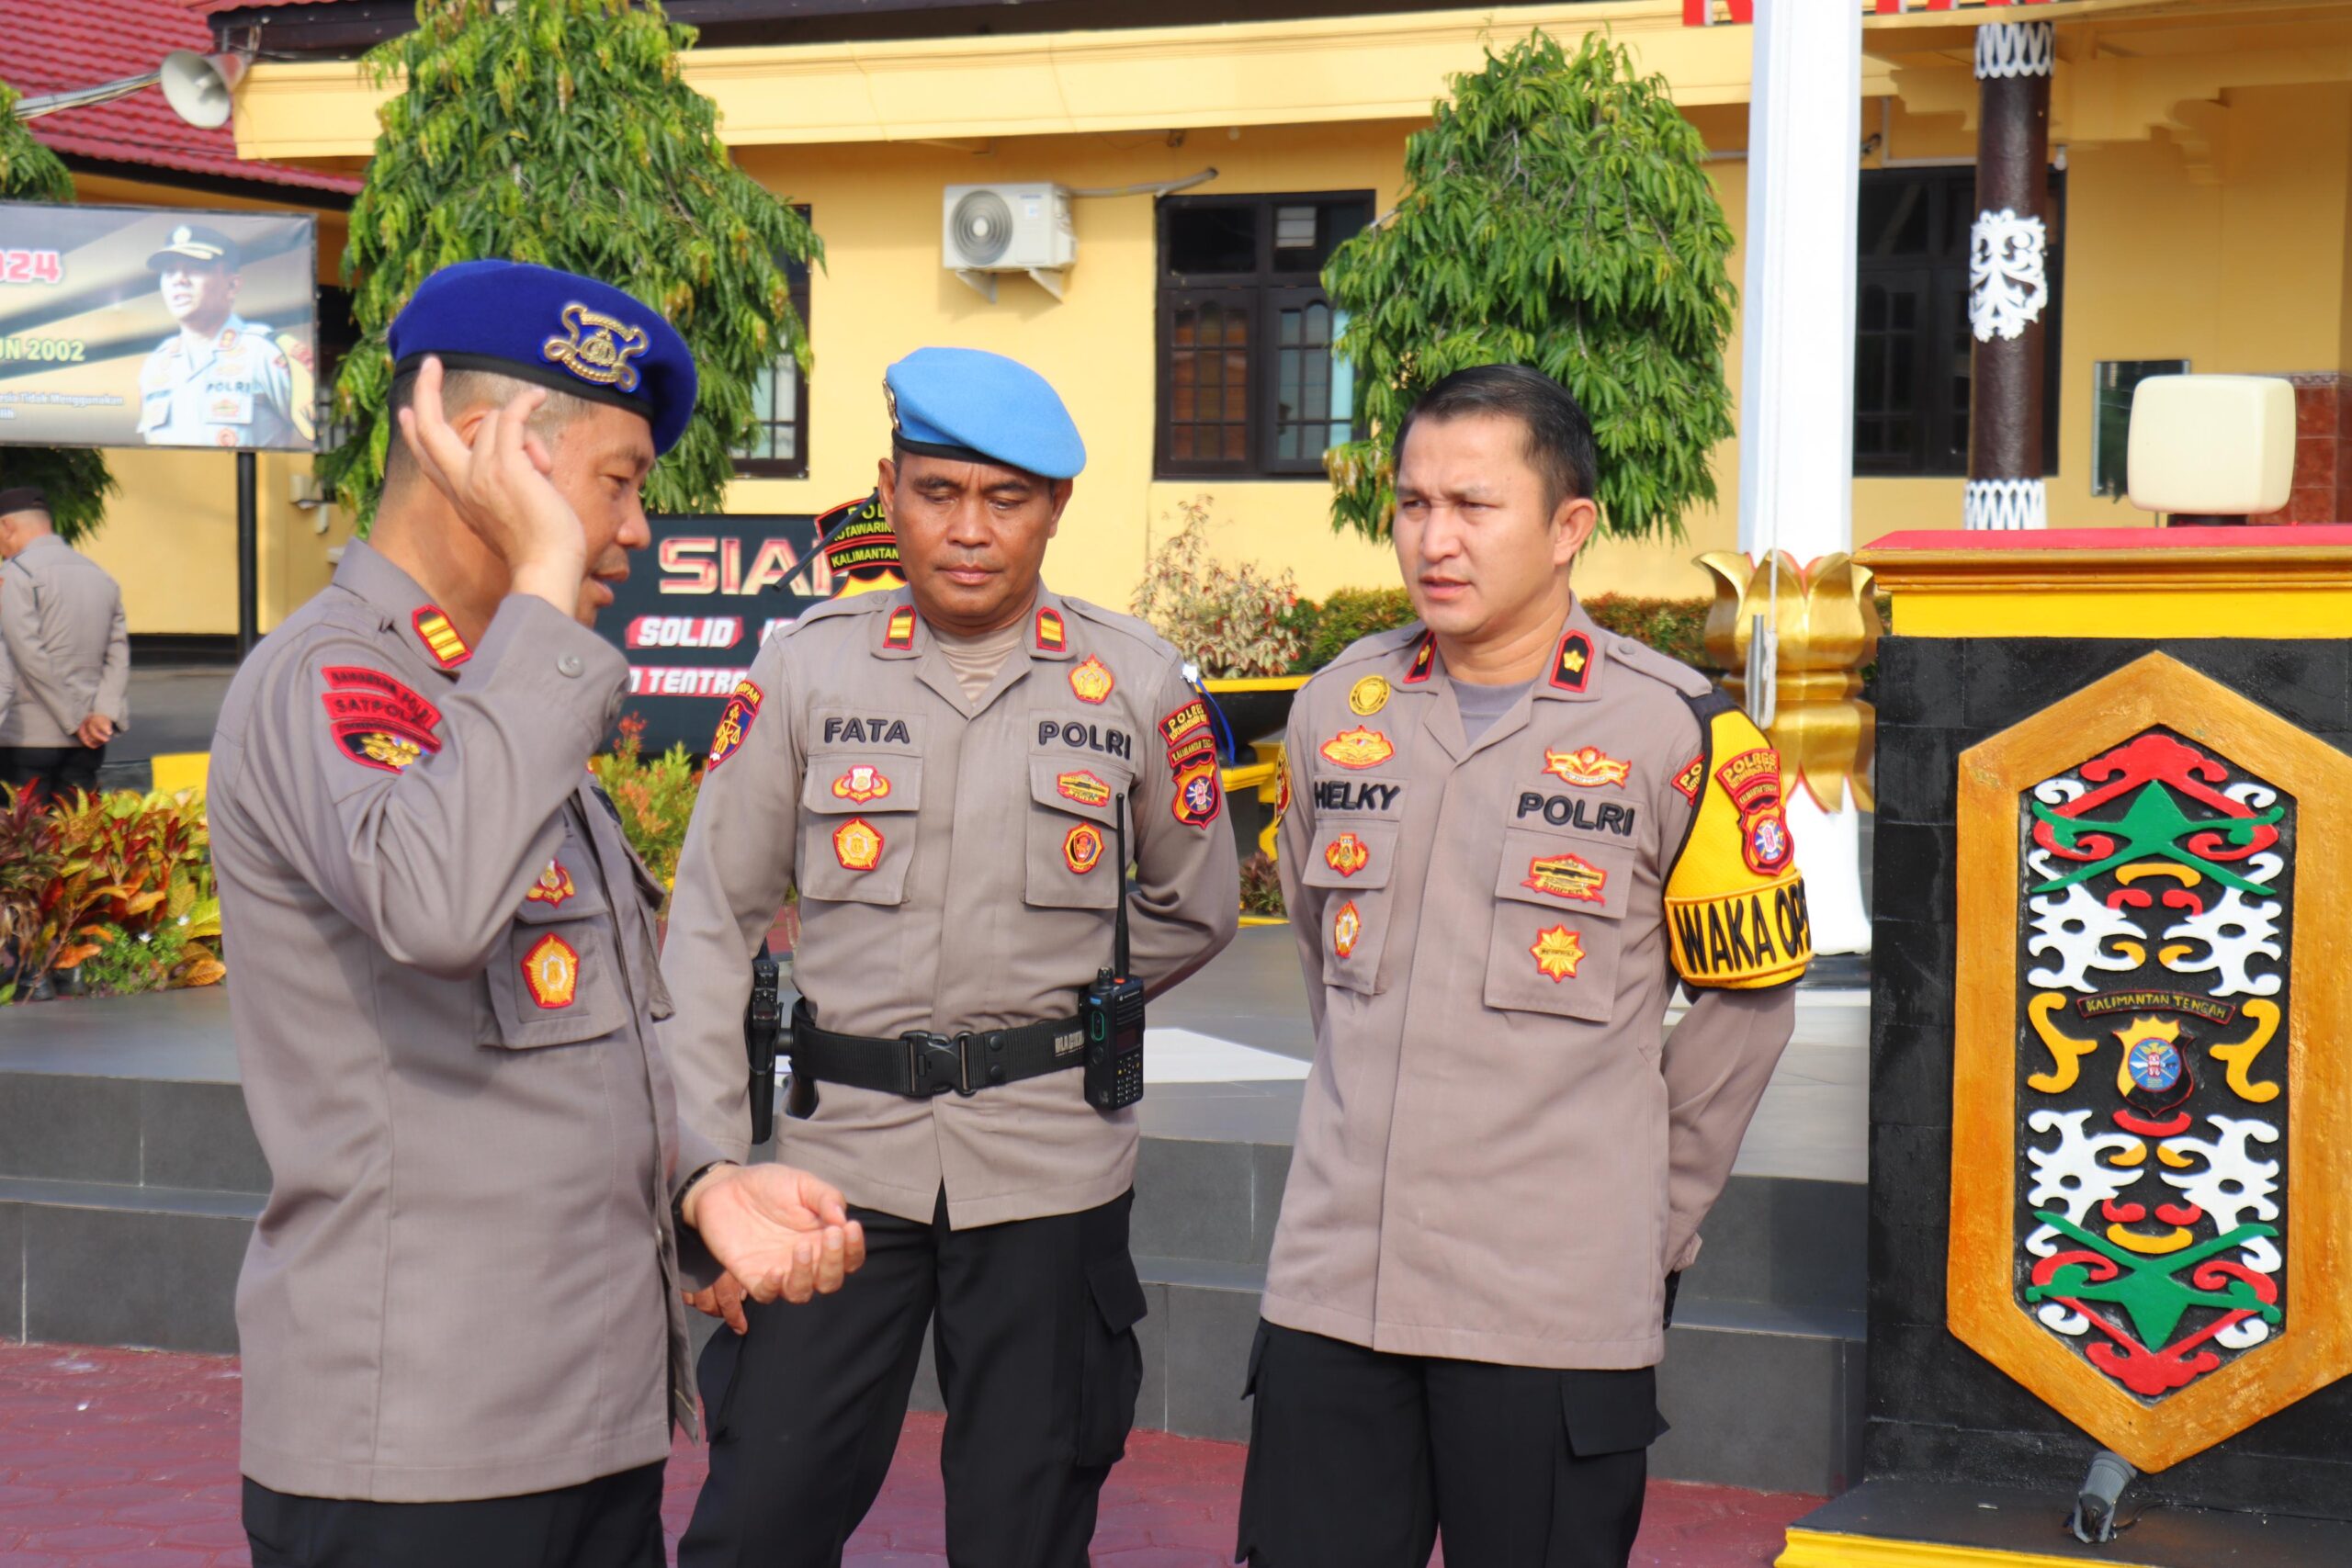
(697, 606)
(126, 326)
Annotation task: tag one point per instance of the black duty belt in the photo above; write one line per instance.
(920, 1065)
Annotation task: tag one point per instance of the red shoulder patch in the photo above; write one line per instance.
(379, 722)
(735, 723)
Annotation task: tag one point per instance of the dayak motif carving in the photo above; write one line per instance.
(2147, 1175)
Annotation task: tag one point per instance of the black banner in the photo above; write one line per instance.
(699, 603)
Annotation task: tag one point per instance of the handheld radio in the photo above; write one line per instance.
(1112, 1010)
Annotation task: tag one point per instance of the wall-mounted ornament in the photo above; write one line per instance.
(2150, 1191)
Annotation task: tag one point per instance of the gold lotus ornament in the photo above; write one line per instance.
(1826, 616)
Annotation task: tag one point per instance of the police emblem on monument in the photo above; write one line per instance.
(2145, 1175)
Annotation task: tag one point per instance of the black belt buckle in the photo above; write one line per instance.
(937, 1063)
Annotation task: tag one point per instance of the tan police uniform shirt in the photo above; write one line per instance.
(958, 870)
(1498, 1160)
(443, 978)
(67, 646)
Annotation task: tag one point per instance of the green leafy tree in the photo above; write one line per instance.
(76, 477)
(562, 132)
(1557, 214)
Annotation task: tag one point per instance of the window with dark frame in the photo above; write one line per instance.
(1911, 336)
(778, 449)
(1249, 385)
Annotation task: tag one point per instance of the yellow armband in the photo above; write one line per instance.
(1735, 903)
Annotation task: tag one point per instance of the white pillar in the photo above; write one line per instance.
(1796, 390)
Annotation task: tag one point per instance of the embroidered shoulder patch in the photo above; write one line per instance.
(379, 722)
(735, 722)
(1282, 781)
(440, 639)
(1188, 736)
(901, 634)
(1200, 793)
(1091, 682)
(1050, 637)
(1693, 774)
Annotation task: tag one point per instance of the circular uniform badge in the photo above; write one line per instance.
(1368, 696)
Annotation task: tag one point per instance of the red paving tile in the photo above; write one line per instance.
(126, 1458)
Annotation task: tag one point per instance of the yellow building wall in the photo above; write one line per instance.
(170, 535)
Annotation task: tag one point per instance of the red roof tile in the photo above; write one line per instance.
(51, 46)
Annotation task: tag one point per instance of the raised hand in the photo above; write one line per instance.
(779, 1230)
(498, 483)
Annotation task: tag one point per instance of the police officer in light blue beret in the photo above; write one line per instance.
(462, 1310)
(942, 771)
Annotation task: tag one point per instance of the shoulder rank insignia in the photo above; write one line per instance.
(379, 722)
(901, 634)
(1588, 767)
(864, 781)
(553, 887)
(1693, 774)
(1358, 748)
(1347, 854)
(735, 722)
(1090, 682)
(1082, 787)
(1567, 876)
(1050, 637)
(1557, 952)
(551, 970)
(1082, 848)
(1346, 927)
(1572, 665)
(1368, 696)
(1200, 793)
(1424, 658)
(857, 844)
(440, 639)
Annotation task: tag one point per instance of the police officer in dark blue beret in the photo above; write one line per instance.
(461, 1312)
(943, 772)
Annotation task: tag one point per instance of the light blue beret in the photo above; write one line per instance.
(979, 407)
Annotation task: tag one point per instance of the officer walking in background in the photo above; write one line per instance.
(1510, 832)
(460, 1313)
(220, 380)
(64, 653)
(942, 770)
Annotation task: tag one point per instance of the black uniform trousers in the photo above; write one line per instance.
(57, 770)
(1032, 1331)
(1361, 1459)
(614, 1522)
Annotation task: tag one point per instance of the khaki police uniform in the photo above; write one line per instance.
(1499, 1161)
(465, 1283)
(64, 655)
(957, 867)
(245, 386)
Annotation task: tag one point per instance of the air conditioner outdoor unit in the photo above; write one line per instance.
(989, 230)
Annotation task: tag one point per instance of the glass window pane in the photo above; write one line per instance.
(1212, 239)
(1295, 228)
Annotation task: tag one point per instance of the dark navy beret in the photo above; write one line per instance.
(979, 406)
(554, 329)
